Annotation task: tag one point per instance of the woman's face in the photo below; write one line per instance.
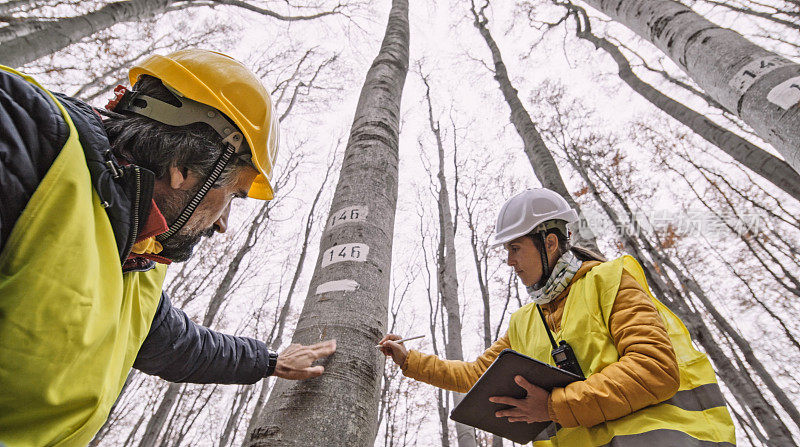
(525, 259)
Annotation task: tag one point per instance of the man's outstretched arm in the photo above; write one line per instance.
(180, 350)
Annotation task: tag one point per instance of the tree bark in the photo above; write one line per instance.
(542, 161)
(341, 406)
(768, 166)
(21, 28)
(760, 86)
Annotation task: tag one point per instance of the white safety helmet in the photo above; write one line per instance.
(528, 210)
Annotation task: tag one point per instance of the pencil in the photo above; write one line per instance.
(403, 340)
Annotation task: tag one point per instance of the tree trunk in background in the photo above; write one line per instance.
(156, 423)
(64, 32)
(349, 291)
(760, 86)
(240, 400)
(447, 276)
(542, 162)
(768, 166)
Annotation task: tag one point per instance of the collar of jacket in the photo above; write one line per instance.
(554, 309)
(155, 225)
(126, 192)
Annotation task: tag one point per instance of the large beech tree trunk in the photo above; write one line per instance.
(542, 161)
(349, 292)
(48, 37)
(760, 86)
(768, 166)
(61, 33)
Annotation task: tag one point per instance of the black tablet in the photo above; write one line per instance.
(498, 380)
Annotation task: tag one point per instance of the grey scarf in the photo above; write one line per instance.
(563, 272)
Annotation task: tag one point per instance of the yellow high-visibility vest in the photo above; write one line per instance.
(695, 416)
(71, 324)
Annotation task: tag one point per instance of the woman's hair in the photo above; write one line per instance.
(582, 253)
(157, 146)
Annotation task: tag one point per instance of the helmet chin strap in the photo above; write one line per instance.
(189, 112)
(232, 143)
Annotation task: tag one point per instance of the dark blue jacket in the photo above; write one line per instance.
(32, 133)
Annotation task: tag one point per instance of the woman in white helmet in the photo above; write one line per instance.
(645, 383)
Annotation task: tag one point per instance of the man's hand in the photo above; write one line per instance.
(531, 408)
(396, 350)
(295, 362)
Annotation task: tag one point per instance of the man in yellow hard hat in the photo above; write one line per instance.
(93, 210)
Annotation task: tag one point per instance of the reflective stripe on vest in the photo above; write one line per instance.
(663, 437)
(698, 399)
(71, 324)
(697, 411)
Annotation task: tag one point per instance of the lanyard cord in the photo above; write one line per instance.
(549, 334)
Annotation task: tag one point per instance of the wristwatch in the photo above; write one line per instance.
(272, 360)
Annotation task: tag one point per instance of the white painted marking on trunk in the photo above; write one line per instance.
(753, 71)
(344, 285)
(786, 94)
(348, 215)
(345, 252)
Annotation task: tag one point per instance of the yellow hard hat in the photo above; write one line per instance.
(221, 82)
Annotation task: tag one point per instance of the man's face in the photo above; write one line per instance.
(174, 193)
(525, 258)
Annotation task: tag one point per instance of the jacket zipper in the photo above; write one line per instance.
(135, 226)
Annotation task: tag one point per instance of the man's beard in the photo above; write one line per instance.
(179, 246)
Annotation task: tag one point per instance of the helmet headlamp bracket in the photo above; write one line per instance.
(189, 112)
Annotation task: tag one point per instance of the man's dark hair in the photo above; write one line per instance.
(157, 146)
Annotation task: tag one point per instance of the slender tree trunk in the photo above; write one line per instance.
(442, 409)
(239, 402)
(156, 422)
(61, 33)
(768, 166)
(340, 407)
(542, 161)
(447, 276)
(760, 86)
